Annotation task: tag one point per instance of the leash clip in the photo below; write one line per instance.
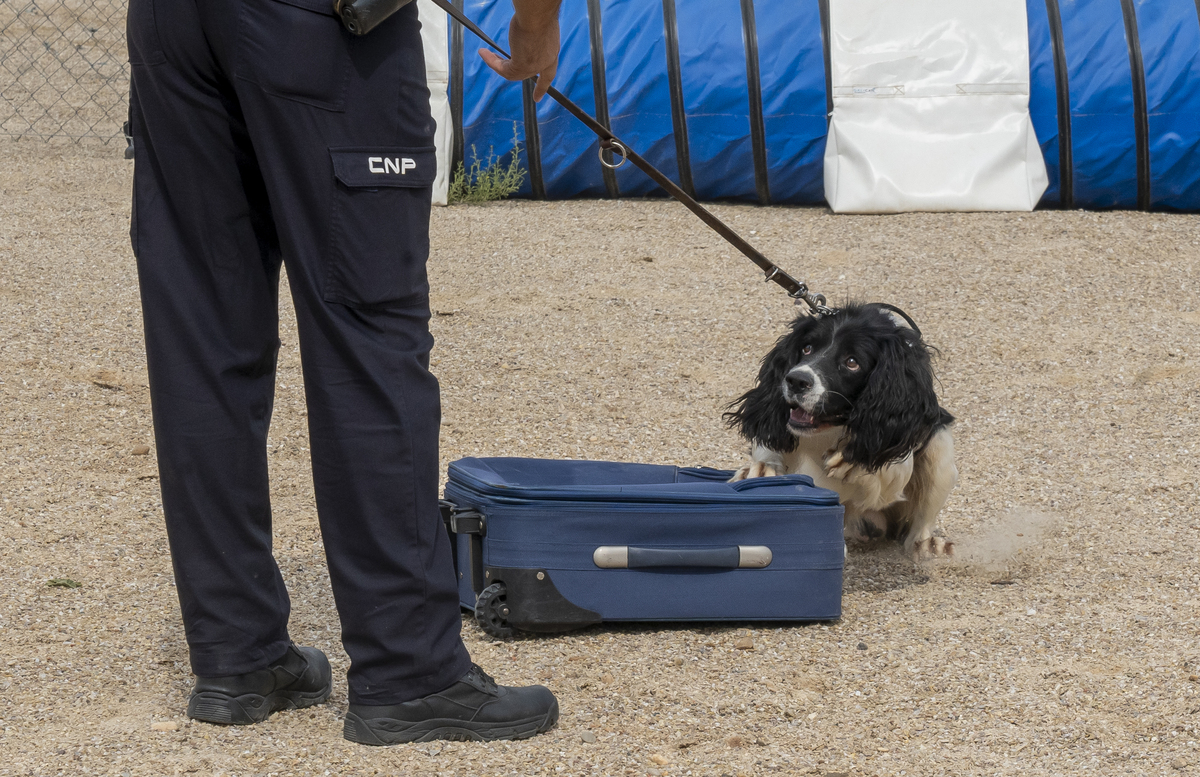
(816, 302)
(799, 292)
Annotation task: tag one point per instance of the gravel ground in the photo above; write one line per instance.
(1064, 638)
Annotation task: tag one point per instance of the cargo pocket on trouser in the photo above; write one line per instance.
(380, 226)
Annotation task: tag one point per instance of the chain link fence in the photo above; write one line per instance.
(63, 69)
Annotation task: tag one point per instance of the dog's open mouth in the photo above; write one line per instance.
(803, 421)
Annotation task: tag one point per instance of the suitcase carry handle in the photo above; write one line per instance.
(732, 557)
(473, 524)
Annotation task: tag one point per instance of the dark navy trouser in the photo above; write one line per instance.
(264, 133)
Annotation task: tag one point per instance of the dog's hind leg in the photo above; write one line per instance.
(865, 526)
(934, 476)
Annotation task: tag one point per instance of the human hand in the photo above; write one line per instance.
(534, 45)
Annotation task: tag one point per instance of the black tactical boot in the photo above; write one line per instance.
(301, 678)
(474, 708)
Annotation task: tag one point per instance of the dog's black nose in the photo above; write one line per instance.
(799, 382)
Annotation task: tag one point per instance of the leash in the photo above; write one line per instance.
(797, 290)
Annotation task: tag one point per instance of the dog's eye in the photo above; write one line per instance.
(807, 350)
(851, 364)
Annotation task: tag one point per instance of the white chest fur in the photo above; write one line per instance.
(858, 489)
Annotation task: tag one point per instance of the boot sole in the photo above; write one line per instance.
(397, 732)
(250, 708)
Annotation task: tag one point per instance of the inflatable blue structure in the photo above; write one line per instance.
(730, 99)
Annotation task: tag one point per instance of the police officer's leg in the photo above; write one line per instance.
(208, 267)
(343, 134)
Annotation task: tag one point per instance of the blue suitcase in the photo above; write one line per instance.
(545, 546)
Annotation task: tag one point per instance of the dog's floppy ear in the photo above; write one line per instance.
(898, 410)
(761, 414)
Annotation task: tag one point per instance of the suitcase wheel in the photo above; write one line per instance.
(491, 611)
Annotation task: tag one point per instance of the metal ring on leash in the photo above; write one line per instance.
(611, 145)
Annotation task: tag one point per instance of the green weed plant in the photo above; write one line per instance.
(491, 181)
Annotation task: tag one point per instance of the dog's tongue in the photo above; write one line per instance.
(802, 418)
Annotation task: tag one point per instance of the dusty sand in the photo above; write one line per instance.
(1062, 640)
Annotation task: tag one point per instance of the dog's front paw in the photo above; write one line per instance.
(836, 466)
(755, 469)
(763, 469)
(932, 547)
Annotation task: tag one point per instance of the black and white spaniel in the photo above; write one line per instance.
(848, 400)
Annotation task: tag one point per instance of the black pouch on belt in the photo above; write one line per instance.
(361, 16)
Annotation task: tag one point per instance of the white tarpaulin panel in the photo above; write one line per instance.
(931, 108)
(437, 74)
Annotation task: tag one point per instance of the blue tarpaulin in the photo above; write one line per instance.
(1126, 73)
(1102, 120)
(1170, 44)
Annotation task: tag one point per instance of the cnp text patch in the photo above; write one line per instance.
(379, 167)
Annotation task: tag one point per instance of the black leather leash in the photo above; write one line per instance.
(797, 290)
